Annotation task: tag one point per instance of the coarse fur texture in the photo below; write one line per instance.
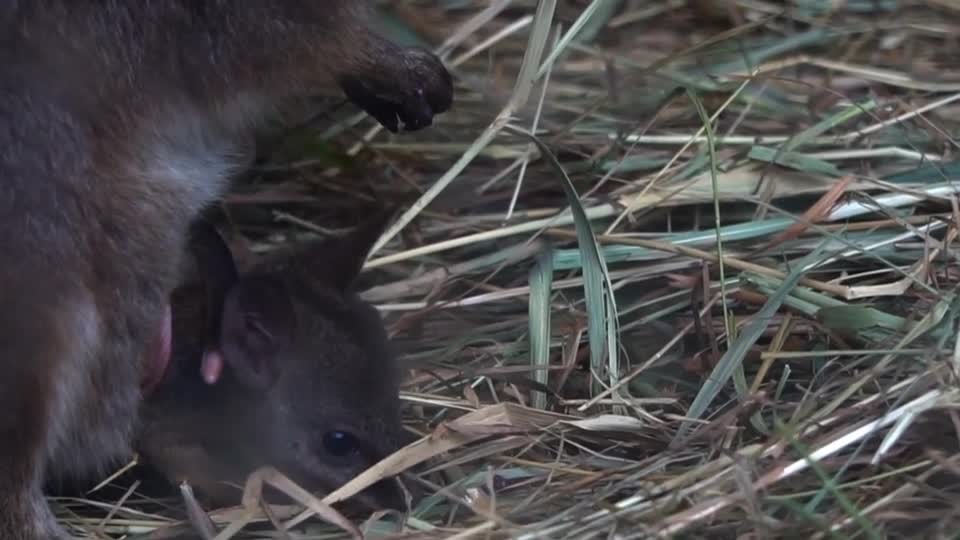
(305, 358)
(119, 122)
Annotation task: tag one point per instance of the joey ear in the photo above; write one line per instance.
(257, 324)
(338, 261)
(216, 267)
(214, 258)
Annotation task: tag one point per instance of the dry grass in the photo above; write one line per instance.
(743, 327)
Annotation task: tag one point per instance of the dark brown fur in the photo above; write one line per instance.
(119, 121)
(328, 363)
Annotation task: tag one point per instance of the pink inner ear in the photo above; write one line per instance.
(160, 357)
(212, 367)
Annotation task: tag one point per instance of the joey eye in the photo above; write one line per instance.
(341, 443)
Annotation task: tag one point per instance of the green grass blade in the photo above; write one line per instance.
(541, 283)
(602, 326)
(738, 348)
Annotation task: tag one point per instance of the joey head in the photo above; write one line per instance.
(282, 366)
(120, 121)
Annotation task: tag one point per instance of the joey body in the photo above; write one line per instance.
(119, 122)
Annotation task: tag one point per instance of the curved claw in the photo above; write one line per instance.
(377, 107)
(416, 113)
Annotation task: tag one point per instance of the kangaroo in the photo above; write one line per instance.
(283, 365)
(119, 123)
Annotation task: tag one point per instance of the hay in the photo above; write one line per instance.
(668, 269)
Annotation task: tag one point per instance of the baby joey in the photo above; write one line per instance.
(283, 366)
